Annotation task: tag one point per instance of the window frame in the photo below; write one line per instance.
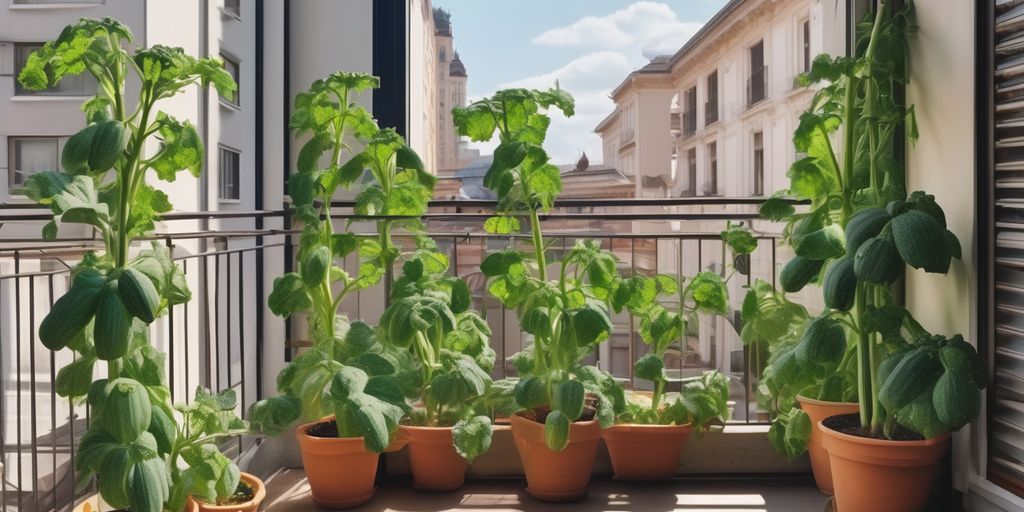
(233, 12)
(757, 164)
(711, 150)
(760, 72)
(12, 155)
(237, 174)
(236, 102)
(709, 98)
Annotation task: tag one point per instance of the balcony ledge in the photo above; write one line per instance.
(287, 491)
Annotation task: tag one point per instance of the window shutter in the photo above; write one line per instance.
(1006, 406)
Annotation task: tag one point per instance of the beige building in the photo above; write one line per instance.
(716, 117)
(452, 150)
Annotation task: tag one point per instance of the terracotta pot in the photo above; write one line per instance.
(876, 475)
(818, 410)
(259, 493)
(92, 504)
(340, 471)
(645, 452)
(435, 464)
(551, 475)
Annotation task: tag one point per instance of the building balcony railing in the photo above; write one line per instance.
(226, 336)
(757, 86)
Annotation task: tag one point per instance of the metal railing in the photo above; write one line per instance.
(218, 340)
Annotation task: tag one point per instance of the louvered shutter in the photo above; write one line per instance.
(1006, 408)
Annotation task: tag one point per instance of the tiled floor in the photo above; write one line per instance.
(288, 492)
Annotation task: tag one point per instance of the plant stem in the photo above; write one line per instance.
(864, 388)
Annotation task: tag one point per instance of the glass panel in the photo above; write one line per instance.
(30, 155)
(232, 68)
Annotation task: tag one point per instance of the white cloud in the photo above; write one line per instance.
(651, 27)
(614, 46)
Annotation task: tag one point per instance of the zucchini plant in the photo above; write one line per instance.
(147, 454)
(347, 372)
(567, 315)
(430, 317)
(702, 399)
(860, 233)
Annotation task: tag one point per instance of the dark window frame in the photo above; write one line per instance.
(229, 61)
(229, 182)
(12, 156)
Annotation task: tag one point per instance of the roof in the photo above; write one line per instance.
(457, 68)
(442, 22)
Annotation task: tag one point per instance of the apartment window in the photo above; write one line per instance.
(691, 173)
(443, 57)
(757, 83)
(759, 164)
(233, 7)
(690, 111)
(29, 155)
(229, 174)
(231, 65)
(711, 188)
(805, 46)
(711, 105)
(82, 84)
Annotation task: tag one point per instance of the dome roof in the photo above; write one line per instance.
(457, 68)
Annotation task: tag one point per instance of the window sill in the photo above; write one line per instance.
(47, 7)
(30, 98)
(229, 14)
(229, 201)
(993, 494)
(229, 106)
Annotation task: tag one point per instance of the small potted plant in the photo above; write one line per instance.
(648, 437)
(430, 317)
(913, 388)
(562, 403)
(347, 385)
(147, 455)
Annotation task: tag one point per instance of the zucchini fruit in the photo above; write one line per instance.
(128, 410)
(922, 242)
(863, 226)
(877, 261)
(840, 285)
(824, 343)
(138, 295)
(113, 325)
(798, 272)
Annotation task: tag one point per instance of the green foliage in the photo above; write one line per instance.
(147, 455)
(568, 316)
(790, 432)
(863, 228)
(429, 320)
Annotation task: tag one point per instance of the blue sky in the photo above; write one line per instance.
(588, 45)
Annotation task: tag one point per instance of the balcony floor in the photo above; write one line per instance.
(288, 492)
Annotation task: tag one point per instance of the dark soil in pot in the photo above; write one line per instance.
(244, 493)
(850, 424)
(325, 429)
(540, 414)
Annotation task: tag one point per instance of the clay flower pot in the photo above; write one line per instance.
(92, 504)
(436, 466)
(551, 475)
(877, 475)
(818, 410)
(259, 492)
(645, 452)
(340, 470)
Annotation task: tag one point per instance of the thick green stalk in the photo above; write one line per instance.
(864, 383)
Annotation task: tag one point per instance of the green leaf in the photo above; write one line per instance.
(790, 432)
(288, 296)
(776, 208)
(821, 244)
(739, 239)
(811, 178)
(476, 121)
(530, 393)
(556, 431)
(80, 46)
(501, 225)
(181, 148)
(499, 263)
(472, 437)
(273, 416)
(708, 291)
(590, 324)
(649, 367)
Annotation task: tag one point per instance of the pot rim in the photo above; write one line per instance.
(523, 418)
(932, 441)
(825, 403)
(649, 426)
(259, 494)
(302, 432)
(424, 429)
